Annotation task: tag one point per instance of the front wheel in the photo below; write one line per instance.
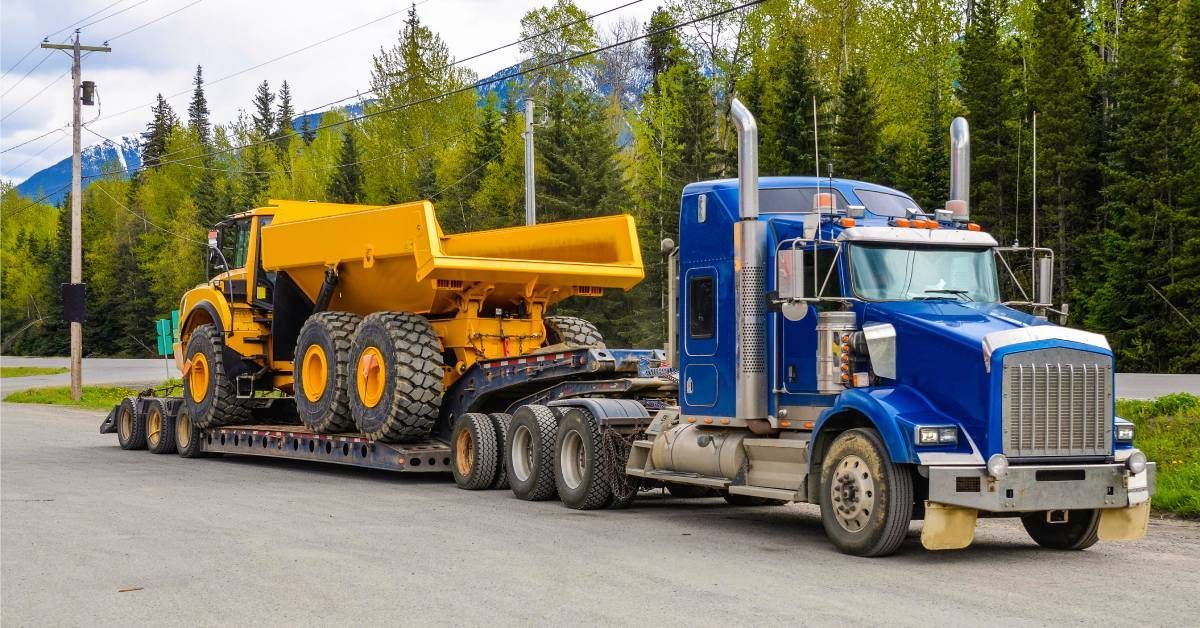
(1080, 529)
(866, 499)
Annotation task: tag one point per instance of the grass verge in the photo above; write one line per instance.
(26, 371)
(1168, 431)
(94, 397)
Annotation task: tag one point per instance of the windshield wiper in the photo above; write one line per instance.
(958, 293)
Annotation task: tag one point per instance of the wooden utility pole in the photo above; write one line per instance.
(76, 203)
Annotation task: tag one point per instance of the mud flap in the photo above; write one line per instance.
(1124, 524)
(109, 426)
(948, 527)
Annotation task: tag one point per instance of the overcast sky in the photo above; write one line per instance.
(225, 36)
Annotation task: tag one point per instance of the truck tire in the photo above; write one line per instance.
(573, 331)
(1079, 532)
(209, 393)
(750, 501)
(529, 459)
(500, 422)
(397, 388)
(580, 470)
(160, 428)
(473, 451)
(866, 499)
(188, 437)
(131, 426)
(323, 371)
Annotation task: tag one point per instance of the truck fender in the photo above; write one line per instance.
(607, 410)
(212, 313)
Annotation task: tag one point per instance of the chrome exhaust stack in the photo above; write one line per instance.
(960, 170)
(749, 244)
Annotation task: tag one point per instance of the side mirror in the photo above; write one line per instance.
(216, 263)
(789, 282)
(1045, 287)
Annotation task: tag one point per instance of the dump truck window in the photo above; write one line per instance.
(702, 307)
(235, 243)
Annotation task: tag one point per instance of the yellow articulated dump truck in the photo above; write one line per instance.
(366, 315)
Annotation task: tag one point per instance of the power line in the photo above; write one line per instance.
(30, 141)
(35, 46)
(38, 200)
(39, 93)
(147, 221)
(485, 82)
(112, 15)
(26, 75)
(157, 19)
(39, 153)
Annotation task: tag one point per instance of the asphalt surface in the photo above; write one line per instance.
(91, 534)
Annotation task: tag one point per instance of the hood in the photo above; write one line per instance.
(956, 321)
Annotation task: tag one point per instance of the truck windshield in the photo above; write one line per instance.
(888, 273)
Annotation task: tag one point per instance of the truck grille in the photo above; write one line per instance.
(1057, 402)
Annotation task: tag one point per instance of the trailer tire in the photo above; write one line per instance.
(397, 366)
(581, 471)
(573, 331)
(530, 454)
(323, 371)
(866, 499)
(188, 437)
(208, 390)
(500, 423)
(160, 428)
(750, 501)
(473, 451)
(131, 426)
(1079, 532)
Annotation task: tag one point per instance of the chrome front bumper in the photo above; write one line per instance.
(1041, 487)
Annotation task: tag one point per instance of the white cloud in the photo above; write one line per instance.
(225, 36)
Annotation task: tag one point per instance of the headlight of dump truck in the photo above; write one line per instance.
(1123, 432)
(937, 435)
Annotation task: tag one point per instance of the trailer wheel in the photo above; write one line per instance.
(131, 426)
(500, 423)
(866, 499)
(397, 370)
(573, 331)
(581, 472)
(187, 436)
(160, 428)
(209, 392)
(473, 451)
(529, 459)
(750, 501)
(1080, 531)
(323, 370)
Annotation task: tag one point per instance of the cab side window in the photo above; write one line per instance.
(702, 306)
(235, 243)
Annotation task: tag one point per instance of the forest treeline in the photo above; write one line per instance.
(1115, 84)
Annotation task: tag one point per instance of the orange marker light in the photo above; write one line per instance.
(692, 420)
(724, 421)
(708, 421)
(808, 425)
(784, 423)
(901, 222)
(971, 226)
(847, 222)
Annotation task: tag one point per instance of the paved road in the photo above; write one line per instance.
(273, 542)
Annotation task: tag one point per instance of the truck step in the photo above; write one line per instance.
(263, 320)
(767, 493)
(680, 477)
(259, 340)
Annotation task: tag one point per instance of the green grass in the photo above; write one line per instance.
(94, 397)
(26, 371)
(1168, 430)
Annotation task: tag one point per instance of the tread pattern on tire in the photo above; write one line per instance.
(1036, 528)
(136, 439)
(898, 489)
(500, 423)
(166, 439)
(226, 408)
(340, 328)
(195, 448)
(545, 431)
(416, 382)
(572, 330)
(599, 493)
(483, 472)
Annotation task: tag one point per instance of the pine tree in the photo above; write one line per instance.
(157, 133)
(264, 111)
(984, 91)
(346, 185)
(198, 112)
(306, 131)
(855, 142)
(284, 119)
(207, 199)
(663, 49)
(254, 178)
(933, 186)
(789, 86)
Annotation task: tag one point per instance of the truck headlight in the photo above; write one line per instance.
(1136, 462)
(937, 435)
(1124, 433)
(997, 465)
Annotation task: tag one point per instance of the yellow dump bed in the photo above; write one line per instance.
(396, 257)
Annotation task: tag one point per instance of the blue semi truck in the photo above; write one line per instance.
(829, 342)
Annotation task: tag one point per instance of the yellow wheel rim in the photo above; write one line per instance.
(125, 423)
(154, 425)
(464, 453)
(315, 373)
(198, 378)
(183, 430)
(370, 377)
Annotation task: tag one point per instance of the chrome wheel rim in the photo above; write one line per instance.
(571, 460)
(522, 453)
(852, 493)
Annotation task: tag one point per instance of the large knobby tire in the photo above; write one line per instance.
(397, 364)
(131, 425)
(580, 470)
(209, 391)
(188, 437)
(160, 428)
(572, 331)
(323, 371)
(866, 499)
(500, 423)
(530, 454)
(473, 451)
(1080, 531)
